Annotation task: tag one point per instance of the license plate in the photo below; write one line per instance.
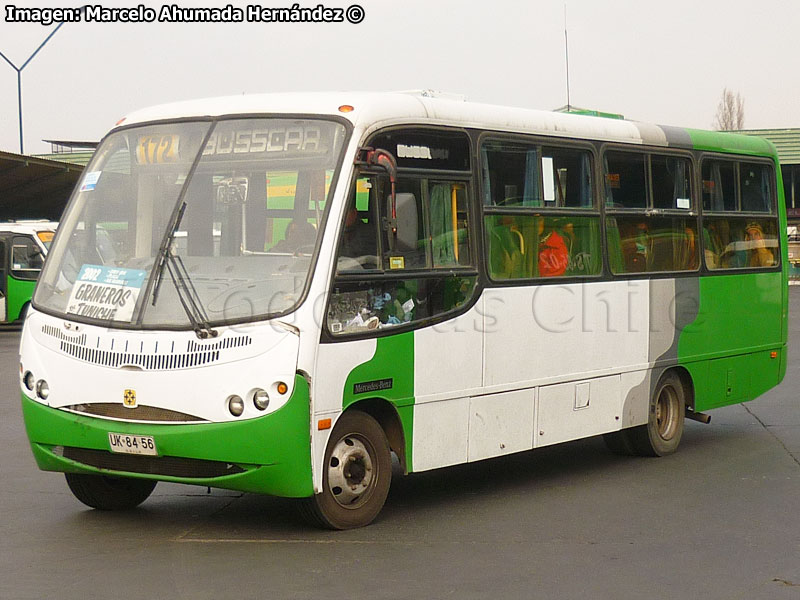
(132, 444)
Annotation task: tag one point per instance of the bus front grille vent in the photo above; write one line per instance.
(223, 344)
(119, 412)
(195, 355)
(148, 362)
(167, 466)
(58, 334)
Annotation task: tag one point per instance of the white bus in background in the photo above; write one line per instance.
(23, 246)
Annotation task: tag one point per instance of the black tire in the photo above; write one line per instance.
(664, 428)
(358, 458)
(109, 493)
(619, 443)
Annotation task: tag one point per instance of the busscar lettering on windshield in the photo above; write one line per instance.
(307, 139)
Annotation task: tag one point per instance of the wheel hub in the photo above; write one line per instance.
(667, 413)
(350, 472)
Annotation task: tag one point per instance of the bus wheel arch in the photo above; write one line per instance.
(660, 436)
(688, 385)
(387, 417)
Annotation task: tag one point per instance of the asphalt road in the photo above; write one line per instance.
(719, 519)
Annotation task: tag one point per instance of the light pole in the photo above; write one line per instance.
(19, 77)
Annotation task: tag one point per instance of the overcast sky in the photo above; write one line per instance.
(665, 62)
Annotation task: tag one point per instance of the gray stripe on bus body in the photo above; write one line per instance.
(674, 304)
(677, 137)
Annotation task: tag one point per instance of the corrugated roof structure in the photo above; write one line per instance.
(35, 188)
(75, 158)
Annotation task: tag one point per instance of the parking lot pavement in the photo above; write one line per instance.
(716, 520)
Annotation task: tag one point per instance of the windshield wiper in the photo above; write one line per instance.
(190, 299)
(164, 252)
(187, 292)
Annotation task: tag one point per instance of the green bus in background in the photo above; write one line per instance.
(23, 246)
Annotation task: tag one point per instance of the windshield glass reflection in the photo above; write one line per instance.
(236, 204)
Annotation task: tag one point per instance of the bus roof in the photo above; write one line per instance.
(372, 110)
(27, 227)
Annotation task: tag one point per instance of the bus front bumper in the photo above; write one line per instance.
(269, 454)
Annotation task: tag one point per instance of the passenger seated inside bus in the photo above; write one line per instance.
(300, 236)
(637, 247)
(736, 244)
(358, 239)
(553, 257)
(758, 253)
(531, 246)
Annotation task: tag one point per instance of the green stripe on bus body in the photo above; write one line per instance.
(728, 348)
(19, 292)
(719, 141)
(273, 449)
(393, 360)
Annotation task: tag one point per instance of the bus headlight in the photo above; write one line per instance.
(42, 389)
(235, 405)
(29, 380)
(260, 399)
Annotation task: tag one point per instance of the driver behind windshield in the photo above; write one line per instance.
(300, 235)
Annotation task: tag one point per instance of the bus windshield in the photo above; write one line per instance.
(226, 212)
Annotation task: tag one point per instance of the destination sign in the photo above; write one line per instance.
(106, 293)
(241, 139)
(426, 149)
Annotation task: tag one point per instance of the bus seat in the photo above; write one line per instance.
(506, 252)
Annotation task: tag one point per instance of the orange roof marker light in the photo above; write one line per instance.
(346, 108)
(120, 121)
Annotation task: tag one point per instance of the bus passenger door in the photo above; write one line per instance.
(399, 323)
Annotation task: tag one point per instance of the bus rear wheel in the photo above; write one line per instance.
(664, 428)
(109, 493)
(356, 477)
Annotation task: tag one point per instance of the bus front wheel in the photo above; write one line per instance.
(356, 476)
(109, 493)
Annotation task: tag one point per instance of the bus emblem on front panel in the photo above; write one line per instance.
(129, 398)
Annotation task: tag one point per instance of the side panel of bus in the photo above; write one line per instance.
(544, 361)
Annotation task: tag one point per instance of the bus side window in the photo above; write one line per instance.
(735, 242)
(626, 180)
(754, 181)
(449, 224)
(432, 239)
(358, 246)
(26, 258)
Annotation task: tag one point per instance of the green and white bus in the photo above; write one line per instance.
(276, 293)
(23, 246)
